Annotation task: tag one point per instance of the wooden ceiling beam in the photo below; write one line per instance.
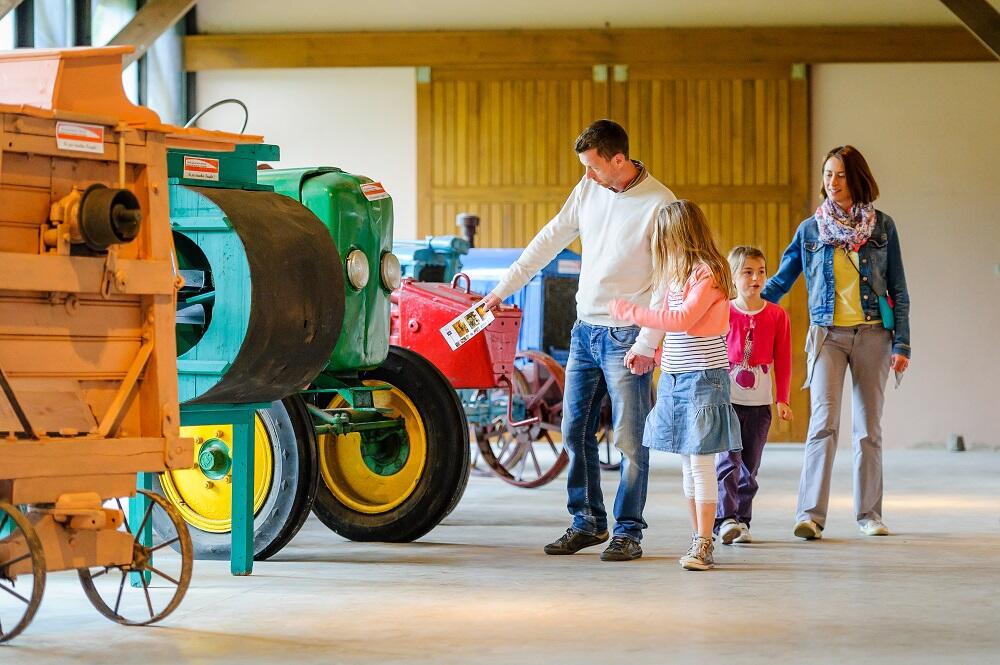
(583, 47)
(980, 18)
(7, 6)
(155, 18)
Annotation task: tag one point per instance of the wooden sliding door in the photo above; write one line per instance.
(499, 143)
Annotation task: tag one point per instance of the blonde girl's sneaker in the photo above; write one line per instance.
(728, 531)
(873, 528)
(699, 556)
(807, 529)
(744, 536)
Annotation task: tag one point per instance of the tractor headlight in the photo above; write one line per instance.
(357, 269)
(392, 273)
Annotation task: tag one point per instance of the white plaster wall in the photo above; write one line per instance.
(362, 120)
(931, 133)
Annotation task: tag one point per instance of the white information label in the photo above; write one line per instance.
(80, 137)
(467, 325)
(201, 168)
(374, 191)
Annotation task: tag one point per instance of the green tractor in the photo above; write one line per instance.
(285, 305)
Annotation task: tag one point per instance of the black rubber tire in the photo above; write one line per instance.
(447, 467)
(293, 486)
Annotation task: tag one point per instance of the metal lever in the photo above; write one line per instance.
(22, 417)
(510, 406)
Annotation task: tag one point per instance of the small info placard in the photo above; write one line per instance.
(467, 325)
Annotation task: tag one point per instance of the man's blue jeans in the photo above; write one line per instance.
(596, 368)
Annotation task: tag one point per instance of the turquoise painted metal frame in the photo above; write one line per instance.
(241, 417)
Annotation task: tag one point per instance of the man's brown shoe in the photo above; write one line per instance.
(573, 541)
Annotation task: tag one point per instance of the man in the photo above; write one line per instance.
(613, 210)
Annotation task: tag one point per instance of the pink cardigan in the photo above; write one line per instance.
(705, 312)
(772, 343)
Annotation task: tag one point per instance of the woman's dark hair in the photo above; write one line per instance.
(607, 136)
(860, 181)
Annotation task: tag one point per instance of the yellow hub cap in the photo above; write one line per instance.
(350, 478)
(204, 494)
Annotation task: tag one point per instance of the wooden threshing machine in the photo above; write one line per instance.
(87, 353)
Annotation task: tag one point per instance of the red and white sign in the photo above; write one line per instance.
(374, 191)
(201, 168)
(80, 137)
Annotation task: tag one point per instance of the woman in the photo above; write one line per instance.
(859, 314)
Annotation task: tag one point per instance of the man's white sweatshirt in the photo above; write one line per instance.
(615, 229)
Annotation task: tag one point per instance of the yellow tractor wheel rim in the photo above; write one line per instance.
(351, 480)
(204, 494)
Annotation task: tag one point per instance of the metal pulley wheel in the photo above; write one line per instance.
(108, 217)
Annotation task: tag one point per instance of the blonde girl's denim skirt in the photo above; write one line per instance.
(693, 415)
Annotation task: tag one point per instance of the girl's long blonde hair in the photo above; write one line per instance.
(682, 240)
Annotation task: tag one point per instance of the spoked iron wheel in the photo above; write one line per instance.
(22, 572)
(478, 465)
(154, 583)
(529, 455)
(609, 457)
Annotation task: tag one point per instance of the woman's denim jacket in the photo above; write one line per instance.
(881, 268)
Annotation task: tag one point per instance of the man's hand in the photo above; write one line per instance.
(639, 364)
(899, 363)
(784, 411)
(492, 302)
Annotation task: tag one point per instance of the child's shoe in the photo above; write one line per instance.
(807, 529)
(744, 536)
(728, 531)
(699, 556)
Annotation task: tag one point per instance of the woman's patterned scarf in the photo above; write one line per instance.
(843, 229)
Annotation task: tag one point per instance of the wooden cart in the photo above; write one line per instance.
(87, 350)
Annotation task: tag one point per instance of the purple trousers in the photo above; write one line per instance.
(737, 469)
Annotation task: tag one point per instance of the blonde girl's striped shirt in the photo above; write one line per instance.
(687, 353)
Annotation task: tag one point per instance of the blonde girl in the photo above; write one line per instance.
(693, 416)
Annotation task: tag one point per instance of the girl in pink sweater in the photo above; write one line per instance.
(693, 415)
(760, 354)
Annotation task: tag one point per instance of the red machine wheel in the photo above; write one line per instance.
(529, 455)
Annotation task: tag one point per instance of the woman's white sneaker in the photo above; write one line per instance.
(807, 529)
(873, 528)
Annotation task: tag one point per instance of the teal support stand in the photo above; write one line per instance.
(241, 417)
(7, 529)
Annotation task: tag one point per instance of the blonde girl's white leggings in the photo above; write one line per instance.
(700, 481)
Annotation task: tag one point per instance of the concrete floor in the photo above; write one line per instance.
(479, 590)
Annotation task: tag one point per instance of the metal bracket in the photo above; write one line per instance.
(510, 406)
(111, 278)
